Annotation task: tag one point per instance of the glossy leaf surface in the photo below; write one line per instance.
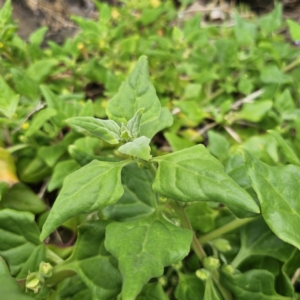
(278, 192)
(86, 190)
(195, 175)
(97, 268)
(143, 248)
(135, 93)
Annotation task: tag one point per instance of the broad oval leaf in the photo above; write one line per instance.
(189, 287)
(97, 268)
(258, 239)
(86, 190)
(9, 286)
(278, 191)
(254, 285)
(143, 248)
(19, 242)
(135, 93)
(138, 148)
(107, 130)
(138, 199)
(195, 175)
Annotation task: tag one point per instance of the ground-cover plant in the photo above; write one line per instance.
(215, 223)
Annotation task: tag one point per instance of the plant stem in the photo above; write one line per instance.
(216, 278)
(292, 65)
(185, 222)
(224, 229)
(53, 257)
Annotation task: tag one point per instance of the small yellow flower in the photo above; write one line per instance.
(1, 45)
(155, 3)
(25, 126)
(115, 14)
(80, 46)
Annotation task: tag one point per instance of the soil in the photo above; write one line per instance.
(32, 14)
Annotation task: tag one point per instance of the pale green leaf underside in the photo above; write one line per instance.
(107, 130)
(195, 175)
(135, 93)
(138, 148)
(143, 248)
(86, 190)
(97, 268)
(278, 190)
(19, 242)
(134, 124)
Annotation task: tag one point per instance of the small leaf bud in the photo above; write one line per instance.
(221, 245)
(34, 282)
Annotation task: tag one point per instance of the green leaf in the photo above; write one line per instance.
(19, 242)
(8, 99)
(135, 93)
(5, 12)
(41, 69)
(284, 102)
(294, 29)
(152, 291)
(272, 21)
(177, 143)
(258, 239)
(107, 130)
(164, 120)
(195, 175)
(218, 145)
(39, 120)
(21, 197)
(37, 37)
(189, 287)
(138, 198)
(143, 248)
(97, 268)
(254, 112)
(138, 148)
(51, 154)
(86, 190)
(134, 124)
(254, 285)
(286, 149)
(271, 74)
(60, 172)
(278, 192)
(9, 286)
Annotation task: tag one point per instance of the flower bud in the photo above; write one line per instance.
(210, 263)
(202, 274)
(222, 245)
(34, 282)
(45, 269)
(229, 269)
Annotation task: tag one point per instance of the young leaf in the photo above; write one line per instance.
(107, 130)
(210, 290)
(143, 248)
(287, 150)
(195, 175)
(164, 120)
(294, 29)
(134, 124)
(278, 192)
(258, 239)
(138, 148)
(9, 286)
(19, 242)
(97, 268)
(138, 199)
(135, 93)
(86, 190)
